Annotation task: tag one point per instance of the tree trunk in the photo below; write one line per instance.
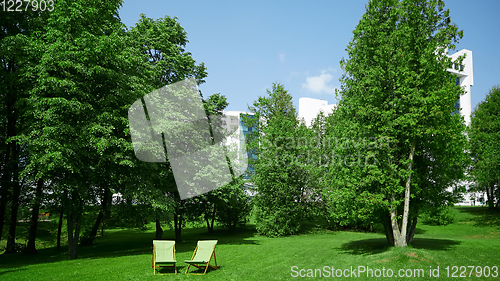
(73, 235)
(213, 219)
(59, 229)
(178, 217)
(388, 230)
(406, 212)
(104, 205)
(210, 220)
(159, 231)
(74, 220)
(4, 189)
(31, 249)
(11, 238)
(400, 235)
(178, 227)
(10, 160)
(411, 230)
(207, 221)
(399, 241)
(491, 198)
(69, 227)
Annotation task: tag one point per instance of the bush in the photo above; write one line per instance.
(442, 215)
(235, 208)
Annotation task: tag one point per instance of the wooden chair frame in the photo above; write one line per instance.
(160, 266)
(206, 265)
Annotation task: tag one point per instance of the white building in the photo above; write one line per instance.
(309, 109)
(466, 80)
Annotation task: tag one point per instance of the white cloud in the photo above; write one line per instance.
(281, 56)
(320, 84)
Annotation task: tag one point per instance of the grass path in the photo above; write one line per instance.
(124, 254)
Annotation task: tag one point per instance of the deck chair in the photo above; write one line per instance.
(202, 256)
(163, 255)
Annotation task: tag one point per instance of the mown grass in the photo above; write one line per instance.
(473, 239)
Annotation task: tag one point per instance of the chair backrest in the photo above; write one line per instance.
(205, 249)
(164, 250)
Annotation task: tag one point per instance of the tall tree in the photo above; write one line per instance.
(163, 41)
(85, 77)
(279, 177)
(15, 30)
(397, 90)
(484, 134)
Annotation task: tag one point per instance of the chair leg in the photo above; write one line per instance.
(215, 260)
(187, 269)
(154, 269)
(205, 269)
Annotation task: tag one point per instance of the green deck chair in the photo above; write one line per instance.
(163, 255)
(202, 255)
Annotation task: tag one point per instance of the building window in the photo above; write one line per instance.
(459, 67)
(457, 107)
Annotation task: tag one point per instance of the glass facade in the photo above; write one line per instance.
(248, 130)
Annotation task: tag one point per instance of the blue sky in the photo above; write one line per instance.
(246, 46)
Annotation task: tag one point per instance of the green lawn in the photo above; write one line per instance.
(125, 254)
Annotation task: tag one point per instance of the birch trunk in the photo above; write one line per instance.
(400, 237)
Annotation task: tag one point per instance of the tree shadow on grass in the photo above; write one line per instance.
(365, 246)
(420, 231)
(380, 245)
(10, 271)
(129, 242)
(483, 216)
(195, 270)
(434, 244)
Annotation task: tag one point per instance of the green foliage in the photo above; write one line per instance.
(163, 42)
(397, 94)
(484, 135)
(442, 215)
(280, 176)
(234, 205)
(79, 69)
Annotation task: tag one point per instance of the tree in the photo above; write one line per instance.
(15, 31)
(484, 135)
(396, 91)
(279, 177)
(163, 41)
(84, 77)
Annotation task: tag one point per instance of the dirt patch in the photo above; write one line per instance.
(413, 255)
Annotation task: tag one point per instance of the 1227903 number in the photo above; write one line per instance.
(472, 271)
(25, 5)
